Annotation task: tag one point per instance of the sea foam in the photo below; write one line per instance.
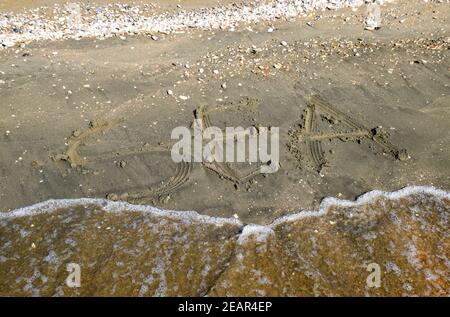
(193, 216)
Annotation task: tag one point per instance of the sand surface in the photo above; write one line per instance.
(357, 110)
(394, 79)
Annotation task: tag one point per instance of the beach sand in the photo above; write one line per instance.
(92, 118)
(395, 78)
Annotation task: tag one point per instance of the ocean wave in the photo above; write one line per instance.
(145, 251)
(114, 206)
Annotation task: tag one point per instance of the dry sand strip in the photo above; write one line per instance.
(78, 21)
(129, 250)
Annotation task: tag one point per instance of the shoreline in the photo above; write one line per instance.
(326, 204)
(192, 255)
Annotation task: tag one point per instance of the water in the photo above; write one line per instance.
(125, 249)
